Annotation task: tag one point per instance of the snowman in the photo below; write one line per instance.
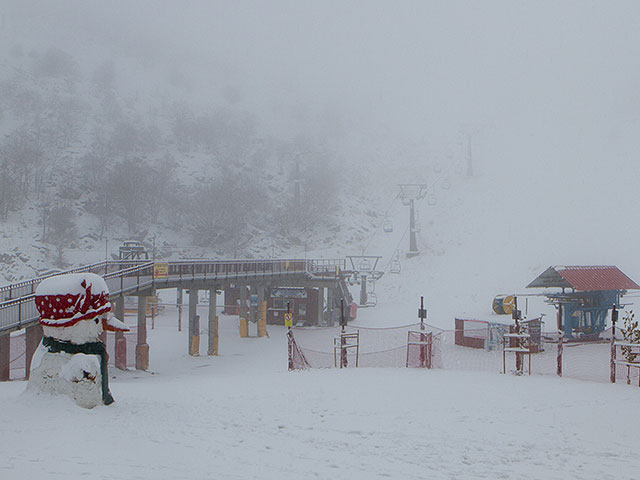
(71, 360)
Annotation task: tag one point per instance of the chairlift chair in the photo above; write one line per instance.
(395, 266)
(432, 200)
(372, 299)
(387, 226)
(446, 185)
(364, 265)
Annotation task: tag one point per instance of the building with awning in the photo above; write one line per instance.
(586, 295)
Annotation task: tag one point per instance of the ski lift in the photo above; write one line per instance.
(395, 266)
(446, 185)
(364, 265)
(387, 226)
(372, 299)
(432, 200)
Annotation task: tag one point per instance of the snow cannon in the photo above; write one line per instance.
(71, 360)
(504, 304)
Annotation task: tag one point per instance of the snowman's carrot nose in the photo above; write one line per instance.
(112, 324)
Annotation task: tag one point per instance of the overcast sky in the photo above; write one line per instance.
(544, 83)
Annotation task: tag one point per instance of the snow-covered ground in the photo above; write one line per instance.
(243, 415)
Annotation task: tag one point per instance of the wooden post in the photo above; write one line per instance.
(120, 340)
(142, 348)
(5, 357)
(32, 338)
(179, 302)
(213, 324)
(262, 318)
(290, 339)
(516, 317)
(320, 307)
(614, 319)
(330, 292)
(153, 312)
(193, 311)
(195, 341)
(560, 342)
(422, 314)
(344, 358)
(243, 301)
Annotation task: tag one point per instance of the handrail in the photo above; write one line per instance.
(21, 310)
(24, 283)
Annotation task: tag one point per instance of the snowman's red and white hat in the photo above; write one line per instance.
(64, 300)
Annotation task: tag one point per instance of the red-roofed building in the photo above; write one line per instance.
(593, 291)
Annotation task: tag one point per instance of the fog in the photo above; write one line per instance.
(546, 90)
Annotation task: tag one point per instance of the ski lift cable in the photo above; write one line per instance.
(387, 267)
(373, 235)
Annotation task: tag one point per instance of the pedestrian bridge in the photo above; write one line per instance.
(142, 279)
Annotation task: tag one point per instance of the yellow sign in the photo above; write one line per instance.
(160, 270)
(508, 304)
(288, 319)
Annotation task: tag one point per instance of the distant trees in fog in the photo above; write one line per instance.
(69, 151)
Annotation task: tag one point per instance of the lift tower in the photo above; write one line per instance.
(409, 193)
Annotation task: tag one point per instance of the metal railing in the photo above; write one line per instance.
(17, 310)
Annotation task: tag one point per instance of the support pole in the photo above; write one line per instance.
(560, 342)
(193, 311)
(213, 324)
(179, 302)
(243, 301)
(289, 339)
(242, 312)
(5, 358)
(120, 340)
(516, 318)
(142, 348)
(253, 305)
(32, 339)
(614, 319)
(330, 306)
(262, 314)
(363, 290)
(320, 316)
(413, 244)
(344, 359)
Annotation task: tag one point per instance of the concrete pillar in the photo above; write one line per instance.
(330, 306)
(243, 301)
(262, 313)
(193, 311)
(120, 341)
(213, 324)
(5, 358)
(179, 303)
(253, 307)
(320, 319)
(142, 348)
(33, 337)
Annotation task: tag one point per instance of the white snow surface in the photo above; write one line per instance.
(242, 415)
(71, 284)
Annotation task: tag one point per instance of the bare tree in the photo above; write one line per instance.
(62, 229)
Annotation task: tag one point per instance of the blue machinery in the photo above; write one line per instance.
(588, 293)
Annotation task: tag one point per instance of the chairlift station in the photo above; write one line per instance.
(587, 294)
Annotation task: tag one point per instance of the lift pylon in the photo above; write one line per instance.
(409, 193)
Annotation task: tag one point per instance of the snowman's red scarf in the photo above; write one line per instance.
(89, 348)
